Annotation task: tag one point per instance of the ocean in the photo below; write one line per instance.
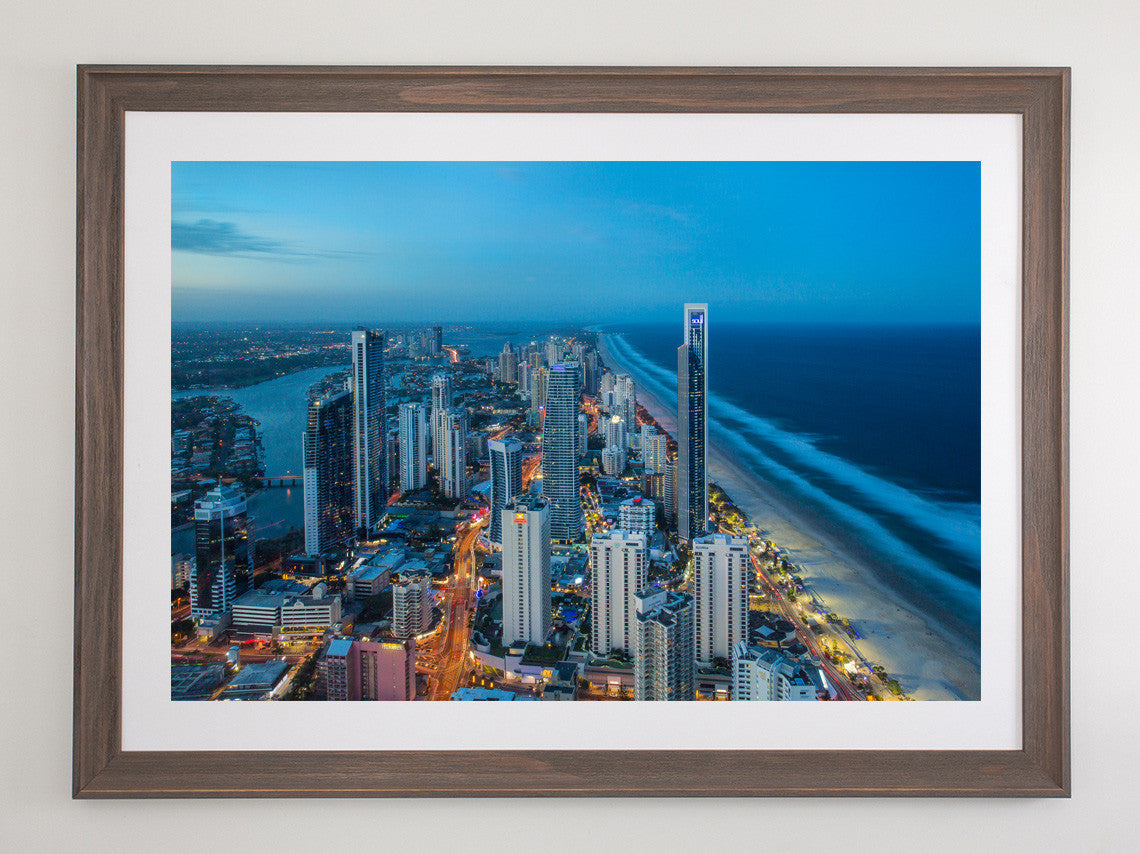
(872, 431)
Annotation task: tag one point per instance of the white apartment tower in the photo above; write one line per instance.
(411, 606)
(413, 447)
(625, 401)
(508, 365)
(720, 594)
(654, 449)
(638, 516)
(506, 481)
(618, 564)
(613, 460)
(664, 666)
(453, 473)
(526, 571)
(442, 399)
(614, 432)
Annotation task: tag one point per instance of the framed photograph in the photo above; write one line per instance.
(510, 406)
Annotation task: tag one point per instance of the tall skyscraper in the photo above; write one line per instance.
(506, 481)
(671, 486)
(583, 433)
(692, 424)
(413, 447)
(327, 453)
(613, 430)
(554, 352)
(664, 665)
(619, 561)
(606, 391)
(221, 540)
(613, 460)
(720, 594)
(523, 374)
(370, 450)
(526, 571)
(411, 605)
(590, 370)
(442, 399)
(560, 452)
(453, 473)
(508, 364)
(625, 401)
(436, 340)
(654, 449)
(538, 395)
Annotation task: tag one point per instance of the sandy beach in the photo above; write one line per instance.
(929, 659)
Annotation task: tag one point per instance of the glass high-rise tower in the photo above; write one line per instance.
(560, 451)
(327, 451)
(692, 424)
(222, 565)
(506, 481)
(370, 450)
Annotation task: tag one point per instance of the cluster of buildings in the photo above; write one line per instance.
(210, 435)
(668, 636)
(419, 343)
(663, 643)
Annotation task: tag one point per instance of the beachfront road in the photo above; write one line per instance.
(843, 686)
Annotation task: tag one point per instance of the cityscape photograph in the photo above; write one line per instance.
(575, 431)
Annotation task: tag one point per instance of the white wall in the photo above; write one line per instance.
(40, 43)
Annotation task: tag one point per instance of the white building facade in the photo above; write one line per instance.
(759, 673)
(526, 571)
(664, 664)
(453, 473)
(413, 447)
(638, 516)
(720, 595)
(618, 564)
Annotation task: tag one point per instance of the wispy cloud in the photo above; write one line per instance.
(211, 237)
(659, 211)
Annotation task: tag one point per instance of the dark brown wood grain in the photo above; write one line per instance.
(103, 770)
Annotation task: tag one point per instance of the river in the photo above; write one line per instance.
(280, 406)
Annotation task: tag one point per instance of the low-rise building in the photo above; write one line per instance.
(369, 580)
(257, 681)
(759, 673)
(263, 613)
(195, 681)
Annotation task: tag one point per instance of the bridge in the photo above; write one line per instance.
(285, 480)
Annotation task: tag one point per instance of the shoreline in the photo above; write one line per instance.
(924, 655)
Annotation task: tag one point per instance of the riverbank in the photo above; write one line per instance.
(930, 661)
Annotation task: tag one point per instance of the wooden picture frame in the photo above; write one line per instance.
(102, 769)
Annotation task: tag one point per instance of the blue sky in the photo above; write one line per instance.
(391, 243)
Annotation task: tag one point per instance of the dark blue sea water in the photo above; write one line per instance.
(873, 431)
